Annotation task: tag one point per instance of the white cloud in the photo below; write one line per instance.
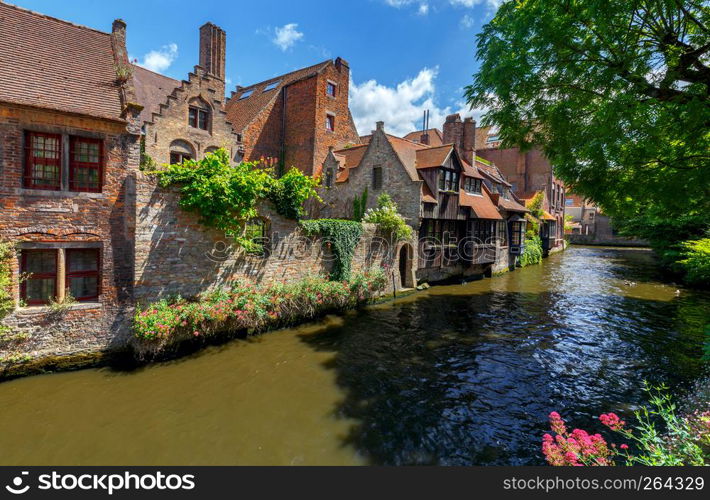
(422, 10)
(159, 60)
(401, 107)
(493, 4)
(466, 21)
(286, 36)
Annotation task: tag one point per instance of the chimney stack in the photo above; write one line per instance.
(468, 146)
(213, 41)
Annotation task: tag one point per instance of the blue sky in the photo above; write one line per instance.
(405, 55)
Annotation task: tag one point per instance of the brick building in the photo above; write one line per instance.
(70, 141)
(185, 120)
(448, 196)
(528, 173)
(293, 119)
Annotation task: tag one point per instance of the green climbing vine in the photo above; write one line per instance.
(343, 236)
(7, 303)
(225, 196)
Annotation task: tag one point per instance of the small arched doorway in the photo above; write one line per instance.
(405, 266)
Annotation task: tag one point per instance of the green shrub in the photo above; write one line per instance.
(532, 253)
(387, 218)
(225, 196)
(342, 236)
(245, 306)
(359, 206)
(7, 302)
(696, 261)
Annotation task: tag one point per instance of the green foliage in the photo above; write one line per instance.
(245, 306)
(225, 196)
(7, 304)
(676, 441)
(342, 236)
(146, 162)
(290, 191)
(568, 223)
(617, 94)
(696, 261)
(359, 206)
(532, 254)
(388, 220)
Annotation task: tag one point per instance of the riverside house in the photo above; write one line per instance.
(467, 218)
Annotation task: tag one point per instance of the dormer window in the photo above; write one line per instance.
(199, 114)
(448, 180)
(472, 186)
(246, 94)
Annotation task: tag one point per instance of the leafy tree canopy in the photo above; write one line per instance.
(616, 92)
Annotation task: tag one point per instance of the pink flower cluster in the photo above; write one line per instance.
(612, 421)
(576, 448)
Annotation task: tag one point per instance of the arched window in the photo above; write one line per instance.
(180, 151)
(199, 114)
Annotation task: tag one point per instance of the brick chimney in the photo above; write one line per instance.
(462, 134)
(468, 146)
(213, 41)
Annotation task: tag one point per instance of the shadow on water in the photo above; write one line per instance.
(460, 378)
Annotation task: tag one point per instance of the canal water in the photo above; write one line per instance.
(457, 375)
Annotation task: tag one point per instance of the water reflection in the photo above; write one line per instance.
(459, 375)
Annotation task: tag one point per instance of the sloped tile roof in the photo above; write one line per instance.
(348, 158)
(469, 171)
(490, 170)
(436, 138)
(427, 195)
(152, 90)
(482, 205)
(407, 153)
(511, 205)
(49, 63)
(433, 156)
(242, 110)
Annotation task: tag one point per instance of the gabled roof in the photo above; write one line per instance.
(482, 205)
(53, 64)
(152, 90)
(241, 110)
(433, 156)
(469, 171)
(407, 153)
(348, 158)
(436, 138)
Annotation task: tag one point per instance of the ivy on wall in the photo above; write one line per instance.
(343, 236)
(7, 303)
(225, 196)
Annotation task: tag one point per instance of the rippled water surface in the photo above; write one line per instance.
(461, 374)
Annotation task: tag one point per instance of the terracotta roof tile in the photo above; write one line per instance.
(152, 90)
(490, 170)
(407, 153)
(433, 156)
(242, 110)
(427, 195)
(469, 171)
(436, 138)
(53, 64)
(348, 158)
(482, 205)
(511, 205)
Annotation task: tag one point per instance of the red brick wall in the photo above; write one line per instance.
(55, 218)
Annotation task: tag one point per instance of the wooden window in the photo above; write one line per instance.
(502, 233)
(40, 268)
(83, 273)
(330, 122)
(516, 233)
(484, 230)
(448, 180)
(330, 89)
(199, 118)
(43, 161)
(178, 157)
(377, 177)
(85, 164)
(472, 186)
